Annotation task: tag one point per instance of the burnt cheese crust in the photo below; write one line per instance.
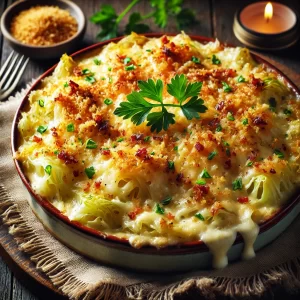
(201, 179)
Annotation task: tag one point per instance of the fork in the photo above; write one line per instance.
(10, 73)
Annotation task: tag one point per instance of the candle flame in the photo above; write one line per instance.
(268, 11)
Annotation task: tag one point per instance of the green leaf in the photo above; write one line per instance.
(279, 153)
(171, 165)
(185, 19)
(201, 182)
(134, 25)
(127, 60)
(287, 112)
(97, 61)
(226, 87)
(70, 127)
(199, 216)
(120, 140)
(237, 184)
(212, 155)
(230, 116)
(193, 107)
(152, 90)
(85, 72)
(245, 121)
(130, 67)
(195, 60)
(90, 172)
(48, 169)
(241, 79)
(41, 129)
(166, 201)
(91, 79)
(219, 128)
(106, 14)
(90, 144)
(160, 13)
(160, 120)
(66, 84)
(205, 174)
(215, 60)
(159, 210)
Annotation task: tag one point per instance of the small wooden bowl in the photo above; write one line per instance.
(43, 52)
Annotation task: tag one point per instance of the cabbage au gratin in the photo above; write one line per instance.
(222, 156)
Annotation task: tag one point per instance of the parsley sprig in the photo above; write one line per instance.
(138, 108)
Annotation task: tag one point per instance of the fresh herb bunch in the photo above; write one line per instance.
(109, 20)
(138, 108)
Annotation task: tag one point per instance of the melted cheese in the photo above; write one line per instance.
(113, 189)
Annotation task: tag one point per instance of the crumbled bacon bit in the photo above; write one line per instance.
(284, 147)
(87, 188)
(170, 216)
(120, 153)
(259, 121)
(179, 177)
(243, 199)
(137, 137)
(199, 147)
(142, 154)
(67, 158)
(37, 139)
(105, 151)
(97, 184)
(215, 208)
(214, 123)
(167, 51)
(257, 82)
(132, 215)
(102, 124)
(75, 173)
(74, 86)
(163, 223)
(77, 71)
(54, 133)
(272, 171)
(227, 164)
(158, 138)
(220, 105)
(253, 155)
(164, 39)
(121, 57)
(199, 191)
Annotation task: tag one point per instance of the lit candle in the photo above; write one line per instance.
(263, 22)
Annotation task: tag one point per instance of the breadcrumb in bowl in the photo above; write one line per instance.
(43, 29)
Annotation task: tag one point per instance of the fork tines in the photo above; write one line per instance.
(10, 73)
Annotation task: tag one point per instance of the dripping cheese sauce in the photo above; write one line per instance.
(111, 175)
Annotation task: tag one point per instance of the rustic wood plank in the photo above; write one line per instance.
(5, 281)
(19, 292)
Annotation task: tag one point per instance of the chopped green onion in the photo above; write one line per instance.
(66, 84)
(80, 140)
(237, 184)
(147, 138)
(201, 182)
(90, 79)
(41, 103)
(195, 60)
(245, 122)
(48, 169)
(249, 164)
(278, 153)
(287, 112)
(152, 153)
(226, 87)
(149, 50)
(109, 69)
(226, 144)
(215, 60)
(130, 67)
(41, 129)
(241, 79)
(90, 172)
(90, 144)
(175, 148)
(120, 140)
(205, 174)
(97, 61)
(70, 127)
(108, 101)
(212, 155)
(230, 116)
(127, 60)
(86, 71)
(56, 152)
(219, 128)
(171, 165)
(199, 216)
(227, 151)
(166, 201)
(159, 210)
(109, 79)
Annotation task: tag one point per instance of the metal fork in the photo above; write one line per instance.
(10, 74)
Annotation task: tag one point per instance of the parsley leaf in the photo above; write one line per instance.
(151, 90)
(90, 172)
(70, 127)
(134, 25)
(90, 144)
(41, 129)
(215, 60)
(237, 184)
(48, 169)
(226, 87)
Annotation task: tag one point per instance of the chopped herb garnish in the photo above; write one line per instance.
(138, 108)
(226, 87)
(70, 127)
(48, 169)
(171, 165)
(226, 144)
(205, 174)
(237, 184)
(127, 60)
(97, 61)
(130, 67)
(108, 101)
(219, 128)
(278, 153)
(159, 210)
(195, 60)
(166, 201)
(109, 79)
(212, 155)
(41, 129)
(149, 50)
(249, 164)
(287, 112)
(175, 148)
(109, 69)
(90, 79)
(41, 103)
(56, 152)
(66, 84)
(245, 122)
(103, 78)
(201, 182)
(85, 71)
(241, 79)
(272, 104)
(227, 151)
(120, 140)
(80, 140)
(215, 60)
(199, 216)
(90, 144)
(152, 153)
(90, 172)
(147, 138)
(230, 116)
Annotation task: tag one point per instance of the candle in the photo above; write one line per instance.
(266, 25)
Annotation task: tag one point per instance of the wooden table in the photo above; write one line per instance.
(215, 20)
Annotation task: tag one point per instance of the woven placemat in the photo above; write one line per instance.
(78, 277)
